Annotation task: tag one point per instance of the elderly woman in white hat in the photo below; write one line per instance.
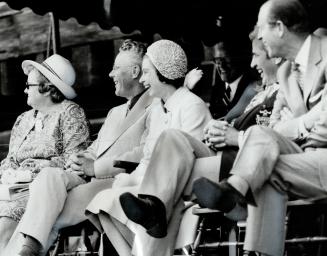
(44, 136)
(164, 68)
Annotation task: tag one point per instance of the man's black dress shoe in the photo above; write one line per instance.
(219, 196)
(147, 211)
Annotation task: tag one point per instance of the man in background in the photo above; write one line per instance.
(232, 60)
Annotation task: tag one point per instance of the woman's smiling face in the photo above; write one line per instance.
(150, 78)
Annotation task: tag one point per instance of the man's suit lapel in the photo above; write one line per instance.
(137, 111)
(312, 68)
(111, 131)
(122, 123)
(293, 92)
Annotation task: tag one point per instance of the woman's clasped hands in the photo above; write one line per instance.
(219, 133)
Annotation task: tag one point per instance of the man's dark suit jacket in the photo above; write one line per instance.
(217, 107)
(243, 122)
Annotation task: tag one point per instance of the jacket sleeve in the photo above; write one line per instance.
(310, 125)
(288, 128)
(242, 103)
(194, 117)
(315, 121)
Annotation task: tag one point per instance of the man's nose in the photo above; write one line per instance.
(253, 64)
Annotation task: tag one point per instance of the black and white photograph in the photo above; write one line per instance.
(163, 128)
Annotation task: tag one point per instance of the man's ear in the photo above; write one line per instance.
(136, 71)
(280, 28)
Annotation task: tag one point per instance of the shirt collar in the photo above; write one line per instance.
(133, 101)
(233, 86)
(302, 57)
(175, 98)
(272, 88)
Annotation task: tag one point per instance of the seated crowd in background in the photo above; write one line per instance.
(265, 142)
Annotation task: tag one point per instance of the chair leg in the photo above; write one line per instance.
(198, 238)
(240, 236)
(232, 239)
(321, 233)
(55, 250)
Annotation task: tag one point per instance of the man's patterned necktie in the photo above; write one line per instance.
(226, 96)
(296, 71)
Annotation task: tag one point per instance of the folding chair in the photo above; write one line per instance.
(217, 235)
(215, 232)
(80, 239)
(306, 228)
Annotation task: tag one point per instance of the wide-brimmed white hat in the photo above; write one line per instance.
(58, 70)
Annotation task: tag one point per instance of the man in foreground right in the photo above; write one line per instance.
(292, 155)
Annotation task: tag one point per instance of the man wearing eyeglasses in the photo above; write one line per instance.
(232, 62)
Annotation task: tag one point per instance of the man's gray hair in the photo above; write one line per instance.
(136, 47)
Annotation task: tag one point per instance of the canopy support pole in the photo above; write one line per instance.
(49, 39)
(54, 34)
